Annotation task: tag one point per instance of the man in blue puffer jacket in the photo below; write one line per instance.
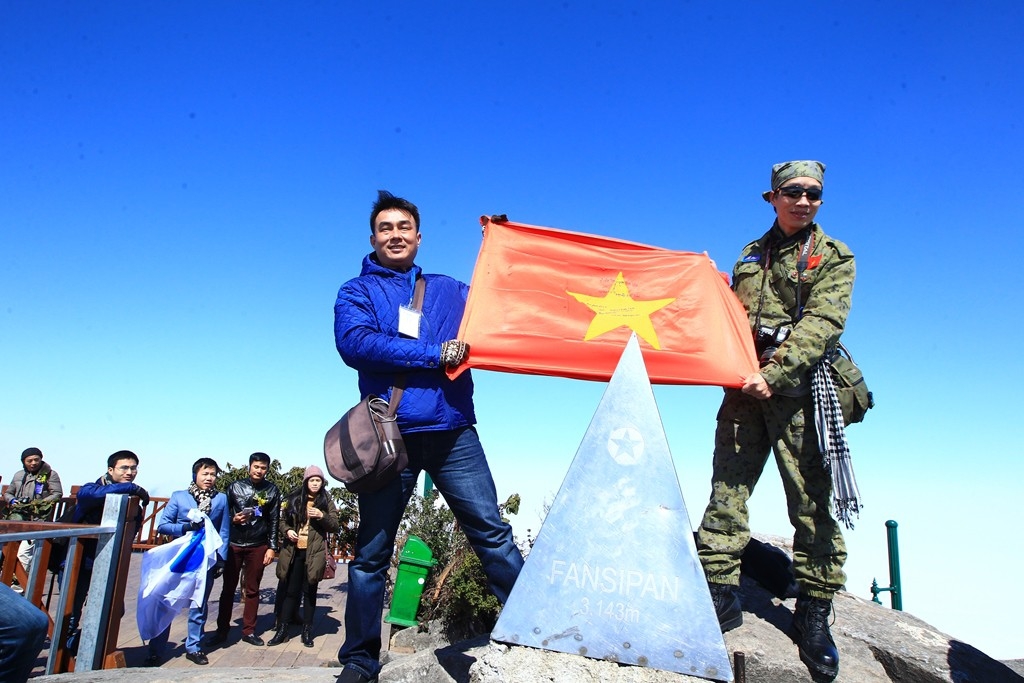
(377, 334)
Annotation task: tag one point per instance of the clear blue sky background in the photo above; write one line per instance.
(184, 186)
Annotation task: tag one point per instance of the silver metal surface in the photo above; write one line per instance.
(96, 614)
(614, 573)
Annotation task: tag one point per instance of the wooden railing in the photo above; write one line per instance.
(100, 622)
(147, 537)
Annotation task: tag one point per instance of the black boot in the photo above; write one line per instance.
(281, 636)
(817, 649)
(307, 636)
(727, 606)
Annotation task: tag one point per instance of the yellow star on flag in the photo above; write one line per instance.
(617, 309)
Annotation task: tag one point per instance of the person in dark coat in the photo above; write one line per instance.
(308, 515)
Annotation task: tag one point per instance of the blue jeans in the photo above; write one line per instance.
(196, 622)
(22, 632)
(456, 462)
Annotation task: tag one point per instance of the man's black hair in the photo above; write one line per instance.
(204, 462)
(385, 201)
(121, 455)
(259, 457)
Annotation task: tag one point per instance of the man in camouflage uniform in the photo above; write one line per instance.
(793, 326)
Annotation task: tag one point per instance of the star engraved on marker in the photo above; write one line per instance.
(625, 445)
(617, 309)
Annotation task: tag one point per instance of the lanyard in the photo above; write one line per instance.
(801, 266)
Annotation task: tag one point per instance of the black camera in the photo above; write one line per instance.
(767, 341)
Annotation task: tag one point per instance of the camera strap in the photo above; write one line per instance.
(801, 265)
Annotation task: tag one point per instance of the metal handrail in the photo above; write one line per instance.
(895, 587)
(96, 614)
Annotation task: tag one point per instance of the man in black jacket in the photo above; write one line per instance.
(255, 508)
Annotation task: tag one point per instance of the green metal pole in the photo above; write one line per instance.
(896, 587)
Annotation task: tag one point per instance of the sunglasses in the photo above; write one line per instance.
(797, 191)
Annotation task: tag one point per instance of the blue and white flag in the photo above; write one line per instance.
(174, 575)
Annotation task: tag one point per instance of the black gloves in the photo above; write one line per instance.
(218, 568)
(453, 352)
(143, 495)
(192, 526)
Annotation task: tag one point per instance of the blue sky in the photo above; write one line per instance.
(184, 186)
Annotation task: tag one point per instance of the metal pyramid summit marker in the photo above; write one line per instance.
(613, 573)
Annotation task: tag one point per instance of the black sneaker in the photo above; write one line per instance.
(350, 675)
(253, 639)
(152, 660)
(219, 638)
(197, 657)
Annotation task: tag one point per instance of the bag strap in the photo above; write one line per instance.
(801, 266)
(399, 386)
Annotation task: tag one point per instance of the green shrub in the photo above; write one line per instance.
(456, 591)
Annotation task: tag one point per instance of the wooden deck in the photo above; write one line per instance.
(328, 630)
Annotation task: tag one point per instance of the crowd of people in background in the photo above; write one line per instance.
(254, 521)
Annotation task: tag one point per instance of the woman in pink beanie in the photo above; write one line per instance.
(307, 516)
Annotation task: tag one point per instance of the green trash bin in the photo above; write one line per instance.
(414, 563)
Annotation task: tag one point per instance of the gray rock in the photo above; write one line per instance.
(875, 645)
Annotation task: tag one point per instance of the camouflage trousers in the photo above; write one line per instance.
(748, 430)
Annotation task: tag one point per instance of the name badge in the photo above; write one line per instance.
(409, 322)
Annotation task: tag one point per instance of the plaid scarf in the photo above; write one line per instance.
(828, 422)
(204, 499)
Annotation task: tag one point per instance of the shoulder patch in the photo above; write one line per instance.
(751, 258)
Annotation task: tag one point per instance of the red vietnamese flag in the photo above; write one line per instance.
(552, 302)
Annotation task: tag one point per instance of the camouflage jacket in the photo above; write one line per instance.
(825, 293)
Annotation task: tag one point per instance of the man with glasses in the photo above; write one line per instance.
(796, 283)
(122, 468)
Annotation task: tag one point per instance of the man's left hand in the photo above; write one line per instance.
(755, 386)
(453, 352)
(268, 557)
